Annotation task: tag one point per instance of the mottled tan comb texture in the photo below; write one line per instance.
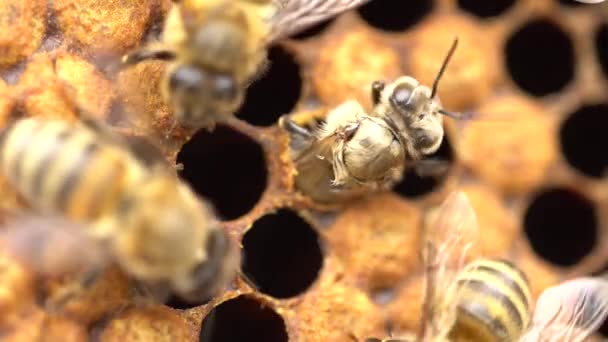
(530, 160)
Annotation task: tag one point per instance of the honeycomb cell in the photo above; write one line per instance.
(103, 27)
(152, 323)
(582, 136)
(108, 294)
(240, 319)
(540, 274)
(53, 85)
(568, 218)
(414, 185)
(485, 9)
(344, 73)
(17, 290)
(226, 167)
(471, 73)
(336, 311)
(275, 93)
(601, 47)
(540, 57)
(511, 146)
(37, 325)
(395, 15)
(6, 103)
(23, 25)
(404, 312)
(498, 229)
(144, 106)
(281, 254)
(377, 240)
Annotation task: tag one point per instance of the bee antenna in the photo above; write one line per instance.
(443, 66)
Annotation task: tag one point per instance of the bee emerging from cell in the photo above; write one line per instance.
(353, 152)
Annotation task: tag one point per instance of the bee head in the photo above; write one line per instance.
(200, 95)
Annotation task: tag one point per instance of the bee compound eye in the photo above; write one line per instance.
(401, 97)
(224, 87)
(187, 77)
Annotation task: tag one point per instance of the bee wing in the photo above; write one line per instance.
(293, 16)
(590, 1)
(52, 246)
(570, 311)
(447, 240)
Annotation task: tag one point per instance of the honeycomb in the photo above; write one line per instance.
(534, 72)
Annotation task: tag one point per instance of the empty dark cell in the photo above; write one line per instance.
(484, 8)
(314, 30)
(601, 46)
(395, 15)
(561, 226)
(282, 254)
(243, 319)
(275, 92)
(226, 167)
(540, 57)
(414, 184)
(584, 140)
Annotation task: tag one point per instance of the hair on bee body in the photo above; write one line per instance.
(216, 48)
(153, 224)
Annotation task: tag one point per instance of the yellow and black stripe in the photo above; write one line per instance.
(62, 168)
(493, 302)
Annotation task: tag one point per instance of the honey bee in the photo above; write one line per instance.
(153, 224)
(217, 47)
(354, 152)
(489, 299)
(350, 154)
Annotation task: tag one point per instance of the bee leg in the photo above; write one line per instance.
(377, 88)
(145, 54)
(293, 128)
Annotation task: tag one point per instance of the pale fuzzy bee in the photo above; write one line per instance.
(154, 225)
(354, 152)
(217, 47)
(489, 300)
(351, 153)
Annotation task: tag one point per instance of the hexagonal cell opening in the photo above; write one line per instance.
(275, 92)
(561, 226)
(601, 47)
(486, 9)
(583, 137)
(540, 57)
(314, 30)
(282, 254)
(243, 319)
(395, 15)
(227, 168)
(414, 185)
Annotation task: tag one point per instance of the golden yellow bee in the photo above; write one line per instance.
(217, 47)
(354, 152)
(153, 224)
(488, 300)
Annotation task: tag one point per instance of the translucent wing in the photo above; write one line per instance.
(447, 239)
(294, 16)
(590, 1)
(52, 246)
(570, 311)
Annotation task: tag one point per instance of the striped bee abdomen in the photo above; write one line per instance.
(62, 168)
(493, 302)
